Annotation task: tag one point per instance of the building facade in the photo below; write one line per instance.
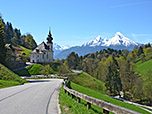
(43, 53)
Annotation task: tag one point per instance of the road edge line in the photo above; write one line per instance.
(58, 105)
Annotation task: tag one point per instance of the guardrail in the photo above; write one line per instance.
(107, 107)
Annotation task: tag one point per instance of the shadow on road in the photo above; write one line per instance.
(37, 81)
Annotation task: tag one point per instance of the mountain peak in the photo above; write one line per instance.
(117, 40)
(120, 35)
(98, 38)
(59, 47)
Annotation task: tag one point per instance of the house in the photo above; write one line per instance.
(14, 57)
(43, 53)
(13, 53)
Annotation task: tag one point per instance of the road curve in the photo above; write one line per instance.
(37, 97)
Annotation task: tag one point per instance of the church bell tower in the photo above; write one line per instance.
(49, 41)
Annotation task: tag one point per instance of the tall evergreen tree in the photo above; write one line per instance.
(113, 82)
(2, 42)
(9, 32)
(16, 40)
(140, 51)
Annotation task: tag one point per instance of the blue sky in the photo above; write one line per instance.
(74, 22)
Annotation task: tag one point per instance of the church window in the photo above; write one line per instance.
(43, 56)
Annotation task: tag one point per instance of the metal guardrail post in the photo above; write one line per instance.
(78, 100)
(72, 96)
(65, 91)
(68, 93)
(88, 105)
(105, 111)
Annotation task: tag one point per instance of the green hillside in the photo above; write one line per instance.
(25, 53)
(36, 69)
(88, 81)
(90, 86)
(9, 78)
(30, 70)
(143, 68)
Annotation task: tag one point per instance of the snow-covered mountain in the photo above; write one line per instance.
(117, 40)
(57, 48)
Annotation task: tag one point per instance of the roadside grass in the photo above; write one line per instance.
(70, 106)
(146, 108)
(34, 69)
(88, 81)
(23, 72)
(4, 83)
(9, 78)
(104, 97)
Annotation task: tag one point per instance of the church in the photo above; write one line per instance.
(43, 53)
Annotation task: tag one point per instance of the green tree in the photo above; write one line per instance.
(100, 71)
(147, 86)
(63, 69)
(137, 90)
(28, 41)
(113, 82)
(2, 42)
(125, 53)
(73, 61)
(147, 45)
(16, 40)
(140, 51)
(9, 32)
(125, 74)
(46, 70)
(89, 65)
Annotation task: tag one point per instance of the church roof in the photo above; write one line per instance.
(41, 48)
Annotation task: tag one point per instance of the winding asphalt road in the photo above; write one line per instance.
(38, 97)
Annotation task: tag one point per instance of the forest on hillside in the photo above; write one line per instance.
(13, 36)
(117, 69)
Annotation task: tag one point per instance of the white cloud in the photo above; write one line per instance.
(142, 38)
(139, 35)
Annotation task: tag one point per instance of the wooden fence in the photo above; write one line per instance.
(107, 107)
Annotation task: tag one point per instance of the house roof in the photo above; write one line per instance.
(41, 48)
(9, 46)
(18, 49)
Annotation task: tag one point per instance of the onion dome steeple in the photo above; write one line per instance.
(49, 38)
